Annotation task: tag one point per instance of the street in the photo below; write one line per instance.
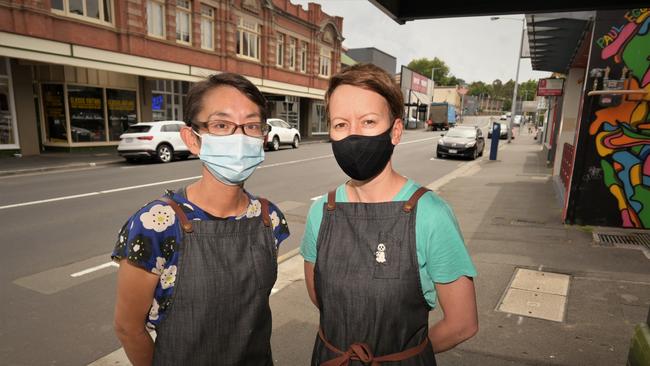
(57, 281)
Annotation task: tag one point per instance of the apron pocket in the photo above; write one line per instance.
(386, 256)
(265, 265)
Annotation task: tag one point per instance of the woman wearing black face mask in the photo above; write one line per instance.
(381, 251)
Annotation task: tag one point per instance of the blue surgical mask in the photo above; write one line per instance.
(231, 159)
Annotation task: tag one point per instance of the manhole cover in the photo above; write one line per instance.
(639, 241)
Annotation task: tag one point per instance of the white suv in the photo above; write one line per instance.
(281, 133)
(160, 140)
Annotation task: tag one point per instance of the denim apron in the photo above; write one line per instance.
(368, 288)
(220, 312)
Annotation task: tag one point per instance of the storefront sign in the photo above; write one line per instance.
(550, 87)
(85, 103)
(121, 105)
(419, 83)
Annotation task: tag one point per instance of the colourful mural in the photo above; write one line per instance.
(622, 132)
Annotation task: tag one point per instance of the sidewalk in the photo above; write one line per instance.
(53, 161)
(510, 218)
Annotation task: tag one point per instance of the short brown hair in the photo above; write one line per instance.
(370, 77)
(193, 104)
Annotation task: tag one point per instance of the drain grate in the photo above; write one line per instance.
(639, 241)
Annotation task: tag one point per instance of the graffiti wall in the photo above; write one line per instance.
(611, 177)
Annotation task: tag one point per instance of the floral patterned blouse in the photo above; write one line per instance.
(150, 240)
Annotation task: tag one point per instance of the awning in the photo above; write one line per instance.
(555, 39)
(403, 11)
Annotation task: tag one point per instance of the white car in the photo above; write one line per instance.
(281, 133)
(160, 140)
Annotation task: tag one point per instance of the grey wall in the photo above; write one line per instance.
(28, 125)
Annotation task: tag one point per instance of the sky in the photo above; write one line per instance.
(474, 48)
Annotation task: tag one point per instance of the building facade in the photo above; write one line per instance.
(76, 74)
(596, 134)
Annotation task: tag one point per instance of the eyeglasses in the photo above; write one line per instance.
(227, 128)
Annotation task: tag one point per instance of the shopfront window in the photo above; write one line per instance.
(86, 114)
(6, 120)
(318, 119)
(167, 99)
(54, 113)
(121, 111)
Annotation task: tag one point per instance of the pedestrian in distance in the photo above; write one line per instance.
(198, 264)
(381, 251)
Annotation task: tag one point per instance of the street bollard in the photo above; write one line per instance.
(494, 144)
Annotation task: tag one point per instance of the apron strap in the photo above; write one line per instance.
(266, 216)
(331, 200)
(361, 352)
(185, 223)
(413, 201)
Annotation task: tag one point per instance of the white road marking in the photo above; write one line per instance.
(520, 320)
(95, 268)
(30, 203)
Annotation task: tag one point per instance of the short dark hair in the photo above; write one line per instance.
(193, 102)
(370, 77)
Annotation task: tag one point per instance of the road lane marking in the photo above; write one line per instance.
(30, 203)
(58, 279)
(95, 268)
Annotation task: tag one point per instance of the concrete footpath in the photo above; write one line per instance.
(510, 217)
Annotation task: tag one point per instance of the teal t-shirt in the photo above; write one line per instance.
(441, 252)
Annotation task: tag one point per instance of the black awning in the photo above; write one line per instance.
(554, 39)
(403, 11)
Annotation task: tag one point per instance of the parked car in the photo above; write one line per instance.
(281, 133)
(160, 140)
(461, 141)
(503, 133)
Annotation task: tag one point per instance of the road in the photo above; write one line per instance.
(57, 282)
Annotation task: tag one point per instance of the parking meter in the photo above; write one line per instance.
(494, 143)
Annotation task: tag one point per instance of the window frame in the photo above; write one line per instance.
(210, 20)
(325, 55)
(246, 29)
(279, 50)
(161, 3)
(180, 11)
(292, 53)
(100, 3)
(304, 52)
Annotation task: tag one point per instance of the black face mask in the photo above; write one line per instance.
(363, 157)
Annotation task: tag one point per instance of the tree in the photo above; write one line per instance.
(424, 66)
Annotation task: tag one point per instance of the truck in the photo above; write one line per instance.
(442, 116)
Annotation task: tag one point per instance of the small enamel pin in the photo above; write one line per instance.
(380, 254)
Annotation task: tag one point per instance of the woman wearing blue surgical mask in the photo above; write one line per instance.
(380, 250)
(198, 264)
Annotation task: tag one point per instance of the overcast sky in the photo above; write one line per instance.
(474, 48)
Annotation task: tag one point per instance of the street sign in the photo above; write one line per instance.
(550, 87)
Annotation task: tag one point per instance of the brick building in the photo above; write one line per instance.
(76, 73)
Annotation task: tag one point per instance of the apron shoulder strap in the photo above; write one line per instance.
(185, 223)
(266, 215)
(331, 200)
(413, 201)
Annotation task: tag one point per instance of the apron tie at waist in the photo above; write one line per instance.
(361, 352)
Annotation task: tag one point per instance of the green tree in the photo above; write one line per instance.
(424, 66)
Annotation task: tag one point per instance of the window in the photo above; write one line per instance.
(207, 27)
(171, 128)
(183, 21)
(325, 61)
(86, 114)
(248, 35)
(292, 53)
(54, 112)
(280, 50)
(95, 10)
(303, 57)
(156, 18)
(122, 111)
